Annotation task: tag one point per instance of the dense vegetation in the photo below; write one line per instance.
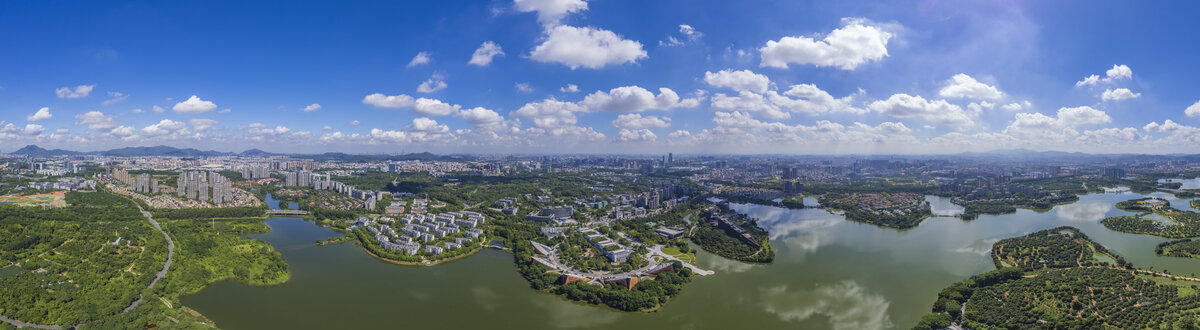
(1077, 295)
(209, 213)
(973, 209)
(73, 270)
(719, 241)
(1185, 224)
(911, 218)
(1184, 248)
(1060, 247)
(647, 294)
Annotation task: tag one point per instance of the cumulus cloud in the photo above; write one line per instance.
(388, 101)
(909, 106)
(743, 80)
(484, 54)
(569, 88)
(1017, 106)
(1119, 94)
(586, 47)
(354, 123)
(434, 83)
(164, 127)
(550, 113)
(1083, 115)
(1043, 128)
(78, 92)
(311, 107)
(420, 59)
(96, 121)
(681, 134)
(430, 107)
(158, 109)
(114, 98)
(857, 42)
(41, 114)
(33, 129)
(636, 99)
(1193, 110)
(550, 12)
(635, 121)
(1117, 72)
(202, 124)
(480, 117)
(194, 106)
(966, 87)
(524, 87)
(635, 135)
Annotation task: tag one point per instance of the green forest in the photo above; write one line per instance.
(1060, 247)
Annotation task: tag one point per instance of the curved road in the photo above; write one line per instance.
(166, 265)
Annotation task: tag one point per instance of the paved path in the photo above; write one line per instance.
(20, 324)
(166, 265)
(657, 250)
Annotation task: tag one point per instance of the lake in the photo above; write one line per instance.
(830, 273)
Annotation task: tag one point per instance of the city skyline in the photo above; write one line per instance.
(607, 77)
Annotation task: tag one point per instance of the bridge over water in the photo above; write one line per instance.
(287, 212)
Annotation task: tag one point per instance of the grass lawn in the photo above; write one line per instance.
(674, 252)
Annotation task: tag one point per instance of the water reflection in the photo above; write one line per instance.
(1090, 211)
(847, 305)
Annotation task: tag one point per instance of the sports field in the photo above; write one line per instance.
(55, 199)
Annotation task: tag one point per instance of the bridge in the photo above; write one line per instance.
(287, 212)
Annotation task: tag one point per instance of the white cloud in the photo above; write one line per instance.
(633, 120)
(158, 109)
(41, 114)
(635, 99)
(33, 129)
(428, 125)
(354, 123)
(743, 80)
(96, 121)
(811, 100)
(138, 110)
(202, 124)
(855, 43)
(114, 98)
(328, 128)
(587, 47)
(550, 12)
(433, 84)
(311, 108)
(550, 113)
(964, 86)
(846, 305)
(122, 131)
(909, 106)
(635, 135)
(430, 107)
(1117, 72)
(1083, 115)
(484, 54)
(80, 91)
(480, 117)
(524, 87)
(1119, 94)
(570, 88)
(680, 134)
(194, 106)
(1017, 106)
(1193, 110)
(688, 33)
(388, 101)
(420, 59)
(164, 127)
(749, 101)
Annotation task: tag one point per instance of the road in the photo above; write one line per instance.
(20, 324)
(166, 265)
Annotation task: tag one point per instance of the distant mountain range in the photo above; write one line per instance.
(36, 151)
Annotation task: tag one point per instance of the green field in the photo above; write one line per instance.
(686, 257)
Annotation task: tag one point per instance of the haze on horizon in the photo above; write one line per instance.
(573, 76)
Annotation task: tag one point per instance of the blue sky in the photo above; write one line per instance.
(740, 77)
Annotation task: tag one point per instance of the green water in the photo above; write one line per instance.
(829, 274)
